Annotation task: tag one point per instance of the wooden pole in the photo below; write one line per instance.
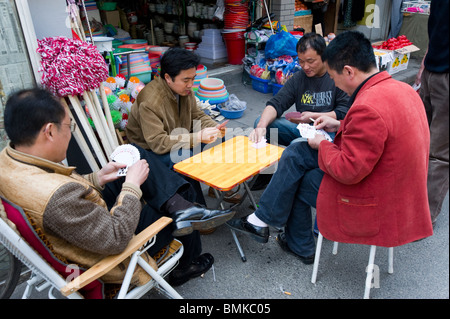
(108, 115)
(88, 129)
(81, 141)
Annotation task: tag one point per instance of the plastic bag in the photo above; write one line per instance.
(282, 43)
(234, 103)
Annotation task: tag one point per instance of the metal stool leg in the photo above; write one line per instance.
(335, 248)
(370, 271)
(316, 258)
(391, 260)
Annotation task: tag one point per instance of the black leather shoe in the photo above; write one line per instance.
(198, 267)
(198, 218)
(281, 240)
(260, 234)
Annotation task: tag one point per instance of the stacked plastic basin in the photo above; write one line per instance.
(200, 75)
(212, 90)
(236, 19)
(154, 60)
(212, 48)
(139, 62)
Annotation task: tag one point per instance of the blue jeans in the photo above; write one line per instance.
(292, 191)
(283, 132)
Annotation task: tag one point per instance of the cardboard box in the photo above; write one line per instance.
(304, 22)
(110, 17)
(393, 61)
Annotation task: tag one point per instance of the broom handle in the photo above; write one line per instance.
(103, 120)
(108, 115)
(81, 141)
(98, 125)
(88, 129)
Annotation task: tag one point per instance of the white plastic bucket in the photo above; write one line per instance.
(102, 43)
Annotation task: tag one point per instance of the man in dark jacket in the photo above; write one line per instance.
(313, 92)
(311, 89)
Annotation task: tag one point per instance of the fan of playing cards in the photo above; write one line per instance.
(125, 154)
(309, 131)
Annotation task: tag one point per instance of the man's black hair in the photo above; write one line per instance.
(311, 40)
(176, 60)
(350, 48)
(27, 111)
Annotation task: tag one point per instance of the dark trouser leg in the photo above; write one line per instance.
(278, 199)
(298, 228)
(435, 96)
(161, 184)
(168, 160)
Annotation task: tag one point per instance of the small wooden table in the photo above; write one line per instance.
(229, 164)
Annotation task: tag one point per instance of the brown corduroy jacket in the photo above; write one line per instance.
(68, 208)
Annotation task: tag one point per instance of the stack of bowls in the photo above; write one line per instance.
(154, 60)
(200, 75)
(158, 50)
(236, 20)
(190, 46)
(212, 90)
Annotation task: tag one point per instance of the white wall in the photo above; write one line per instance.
(49, 18)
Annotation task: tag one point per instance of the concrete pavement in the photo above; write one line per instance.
(421, 269)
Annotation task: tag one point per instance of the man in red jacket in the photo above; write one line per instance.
(371, 184)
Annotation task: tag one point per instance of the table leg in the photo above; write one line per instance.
(219, 196)
(250, 195)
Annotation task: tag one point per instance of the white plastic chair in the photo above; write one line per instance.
(45, 276)
(369, 268)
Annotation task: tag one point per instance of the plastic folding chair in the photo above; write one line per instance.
(48, 271)
(369, 269)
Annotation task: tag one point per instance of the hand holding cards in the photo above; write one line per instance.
(260, 144)
(125, 154)
(309, 131)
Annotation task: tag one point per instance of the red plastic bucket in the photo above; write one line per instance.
(235, 43)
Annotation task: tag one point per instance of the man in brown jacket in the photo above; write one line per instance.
(165, 118)
(86, 218)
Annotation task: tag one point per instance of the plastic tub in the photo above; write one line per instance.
(235, 44)
(214, 100)
(102, 43)
(157, 50)
(212, 92)
(116, 43)
(136, 46)
(108, 6)
(275, 88)
(211, 84)
(231, 114)
(212, 95)
(144, 77)
(136, 41)
(261, 85)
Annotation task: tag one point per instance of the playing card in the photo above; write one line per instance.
(260, 144)
(125, 154)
